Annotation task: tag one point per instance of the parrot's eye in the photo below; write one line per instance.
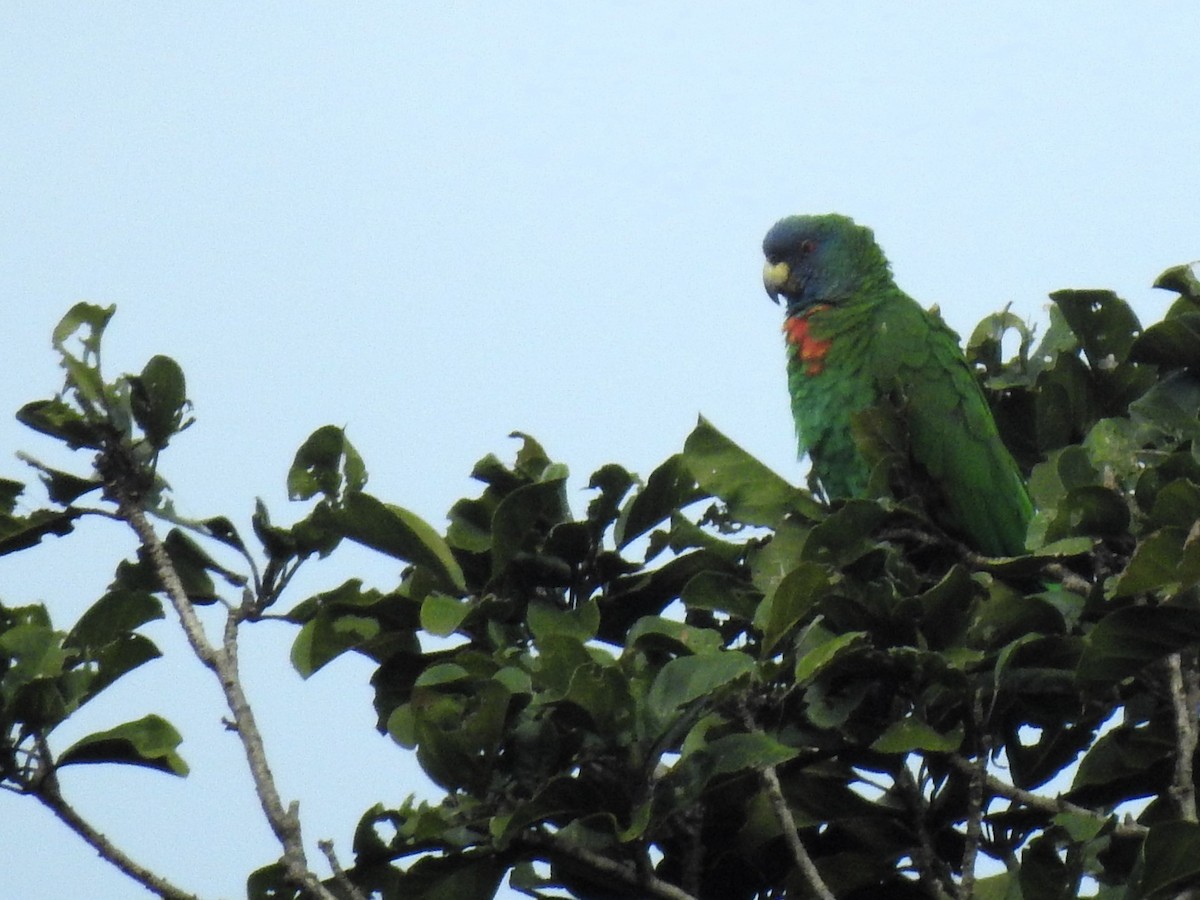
(807, 246)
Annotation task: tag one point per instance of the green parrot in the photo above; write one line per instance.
(856, 341)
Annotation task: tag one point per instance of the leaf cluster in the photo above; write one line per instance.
(603, 695)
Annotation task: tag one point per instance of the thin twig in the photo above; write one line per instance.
(791, 834)
(339, 874)
(975, 804)
(1051, 805)
(1057, 571)
(223, 661)
(46, 790)
(1074, 583)
(931, 871)
(783, 814)
(648, 884)
(1183, 701)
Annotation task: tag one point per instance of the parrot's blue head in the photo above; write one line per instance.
(815, 260)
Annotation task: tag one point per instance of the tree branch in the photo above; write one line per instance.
(1051, 805)
(339, 874)
(975, 804)
(791, 834)
(223, 661)
(45, 788)
(1184, 691)
(931, 870)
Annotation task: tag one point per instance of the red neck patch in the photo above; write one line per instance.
(810, 352)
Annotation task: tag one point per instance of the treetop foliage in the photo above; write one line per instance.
(706, 683)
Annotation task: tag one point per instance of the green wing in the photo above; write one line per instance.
(951, 433)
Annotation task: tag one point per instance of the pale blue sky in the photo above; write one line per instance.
(436, 224)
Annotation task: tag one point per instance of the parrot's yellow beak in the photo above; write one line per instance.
(775, 278)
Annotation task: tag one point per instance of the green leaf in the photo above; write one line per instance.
(655, 631)
(23, 532)
(271, 883)
(911, 734)
(37, 652)
(442, 673)
(116, 613)
(402, 726)
(796, 595)
(1172, 858)
(721, 592)
(1125, 641)
(985, 344)
(580, 623)
(846, 534)
(774, 561)
(997, 887)
(754, 751)
(817, 649)
(150, 741)
(1172, 344)
(83, 373)
(1166, 559)
(192, 564)
(1105, 324)
(329, 634)
(613, 482)
(755, 495)
(603, 693)
(456, 877)
(62, 487)
(688, 678)
(159, 400)
(669, 488)
(1124, 755)
(116, 658)
(523, 517)
(1182, 280)
(441, 614)
(1170, 407)
(1079, 826)
(326, 463)
(1176, 504)
(400, 534)
(60, 420)
(83, 315)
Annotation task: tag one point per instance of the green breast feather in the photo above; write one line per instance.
(856, 341)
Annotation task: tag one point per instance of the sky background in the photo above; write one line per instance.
(435, 224)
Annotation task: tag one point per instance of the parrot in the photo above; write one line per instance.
(856, 342)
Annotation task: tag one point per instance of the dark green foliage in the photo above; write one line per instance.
(598, 692)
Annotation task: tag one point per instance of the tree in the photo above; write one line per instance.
(708, 684)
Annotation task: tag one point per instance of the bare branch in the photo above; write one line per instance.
(1184, 692)
(931, 870)
(1051, 805)
(339, 874)
(1068, 579)
(45, 789)
(975, 804)
(223, 661)
(808, 868)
